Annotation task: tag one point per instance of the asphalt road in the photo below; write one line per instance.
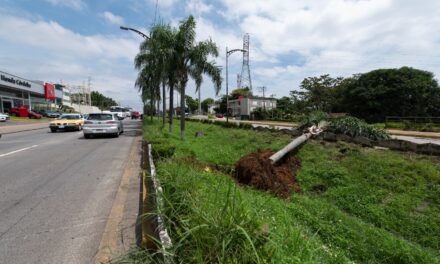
(56, 192)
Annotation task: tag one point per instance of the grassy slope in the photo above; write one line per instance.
(379, 206)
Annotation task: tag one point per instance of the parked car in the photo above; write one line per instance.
(67, 122)
(103, 124)
(23, 111)
(32, 114)
(15, 111)
(135, 115)
(219, 115)
(3, 117)
(53, 114)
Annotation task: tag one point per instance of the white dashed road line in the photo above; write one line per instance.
(16, 151)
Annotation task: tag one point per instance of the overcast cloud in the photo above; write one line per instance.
(290, 40)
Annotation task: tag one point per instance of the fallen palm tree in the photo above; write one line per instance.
(274, 172)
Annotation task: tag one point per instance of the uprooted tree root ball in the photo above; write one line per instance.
(256, 170)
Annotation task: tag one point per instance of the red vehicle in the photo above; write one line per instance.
(32, 114)
(23, 111)
(135, 115)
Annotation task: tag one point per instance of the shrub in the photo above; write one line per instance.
(312, 119)
(245, 125)
(352, 126)
(162, 150)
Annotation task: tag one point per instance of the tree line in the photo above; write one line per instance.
(371, 96)
(101, 101)
(166, 61)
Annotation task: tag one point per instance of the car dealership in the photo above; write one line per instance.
(16, 91)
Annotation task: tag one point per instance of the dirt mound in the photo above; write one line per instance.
(256, 170)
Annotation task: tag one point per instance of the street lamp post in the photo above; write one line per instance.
(229, 52)
(135, 30)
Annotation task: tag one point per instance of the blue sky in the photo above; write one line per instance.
(69, 40)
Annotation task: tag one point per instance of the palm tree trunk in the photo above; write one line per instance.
(182, 112)
(164, 104)
(200, 103)
(158, 107)
(171, 106)
(152, 103)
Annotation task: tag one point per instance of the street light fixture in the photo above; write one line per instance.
(135, 30)
(229, 52)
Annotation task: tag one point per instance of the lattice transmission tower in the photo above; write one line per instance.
(245, 77)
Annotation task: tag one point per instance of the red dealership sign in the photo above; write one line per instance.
(49, 91)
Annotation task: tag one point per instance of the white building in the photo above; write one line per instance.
(243, 107)
(17, 91)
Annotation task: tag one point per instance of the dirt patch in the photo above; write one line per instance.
(256, 170)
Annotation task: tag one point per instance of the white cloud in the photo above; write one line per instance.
(335, 36)
(52, 36)
(74, 4)
(45, 50)
(198, 7)
(163, 3)
(112, 18)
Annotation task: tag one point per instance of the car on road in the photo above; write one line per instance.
(103, 124)
(53, 114)
(67, 122)
(4, 117)
(135, 115)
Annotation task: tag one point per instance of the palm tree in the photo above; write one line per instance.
(153, 59)
(192, 60)
(148, 86)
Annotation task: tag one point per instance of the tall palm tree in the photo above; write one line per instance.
(153, 59)
(192, 60)
(149, 87)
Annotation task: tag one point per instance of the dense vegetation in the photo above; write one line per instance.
(356, 204)
(101, 101)
(370, 96)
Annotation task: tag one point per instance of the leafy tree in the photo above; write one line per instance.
(393, 92)
(101, 101)
(317, 93)
(205, 104)
(191, 103)
(235, 94)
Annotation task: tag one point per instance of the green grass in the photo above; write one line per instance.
(424, 127)
(219, 145)
(17, 118)
(373, 206)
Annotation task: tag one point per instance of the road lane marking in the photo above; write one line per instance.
(16, 151)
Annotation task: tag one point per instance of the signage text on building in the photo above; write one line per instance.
(15, 81)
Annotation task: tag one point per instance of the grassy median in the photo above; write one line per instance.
(356, 204)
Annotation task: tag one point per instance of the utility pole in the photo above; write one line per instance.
(263, 90)
(89, 90)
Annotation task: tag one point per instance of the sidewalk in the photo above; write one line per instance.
(19, 126)
(407, 133)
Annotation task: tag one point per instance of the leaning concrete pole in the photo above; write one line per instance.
(313, 130)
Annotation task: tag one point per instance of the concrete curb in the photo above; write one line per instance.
(24, 130)
(154, 233)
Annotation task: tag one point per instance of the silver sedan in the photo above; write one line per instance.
(102, 124)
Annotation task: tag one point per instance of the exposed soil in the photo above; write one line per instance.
(256, 170)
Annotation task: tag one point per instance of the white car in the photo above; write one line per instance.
(4, 117)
